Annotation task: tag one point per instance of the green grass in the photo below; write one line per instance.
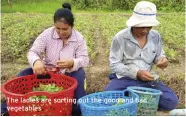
(49, 7)
(35, 7)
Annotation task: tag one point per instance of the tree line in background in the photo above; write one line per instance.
(162, 5)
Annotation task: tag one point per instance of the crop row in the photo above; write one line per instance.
(18, 35)
(20, 29)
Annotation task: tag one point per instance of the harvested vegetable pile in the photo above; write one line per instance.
(48, 88)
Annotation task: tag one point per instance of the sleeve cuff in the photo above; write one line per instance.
(32, 61)
(134, 73)
(75, 66)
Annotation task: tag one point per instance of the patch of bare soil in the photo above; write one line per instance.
(174, 77)
(10, 70)
(163, 113)
(97, 73)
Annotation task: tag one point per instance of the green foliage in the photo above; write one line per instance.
(49, 6)
(111, 24)
(171, 53)
(19, 31)
(172, 29)
(163, 5)
(37, 6)
(86, 26)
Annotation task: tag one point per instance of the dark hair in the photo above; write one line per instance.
(66, 14)
(66, 5)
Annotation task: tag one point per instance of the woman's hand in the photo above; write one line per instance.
(39, 67)
(65, 63)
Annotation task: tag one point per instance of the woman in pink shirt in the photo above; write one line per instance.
(60, 49)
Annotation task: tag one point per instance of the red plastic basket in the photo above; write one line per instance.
(18, 90)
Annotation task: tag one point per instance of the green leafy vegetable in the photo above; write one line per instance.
(120, 101)
(48, 88)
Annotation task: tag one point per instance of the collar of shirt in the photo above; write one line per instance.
(131, 37)
(72, 37)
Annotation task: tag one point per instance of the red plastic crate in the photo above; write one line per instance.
(18, 90)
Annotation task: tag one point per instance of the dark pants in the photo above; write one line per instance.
(79, 92)
(168, 100)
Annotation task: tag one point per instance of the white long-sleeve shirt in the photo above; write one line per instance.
(127, 57)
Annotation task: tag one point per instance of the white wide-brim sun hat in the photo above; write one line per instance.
(144, 15)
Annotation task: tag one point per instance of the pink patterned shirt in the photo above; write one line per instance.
(49, 47)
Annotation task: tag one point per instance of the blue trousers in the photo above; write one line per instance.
(79, 92)
(168, 100)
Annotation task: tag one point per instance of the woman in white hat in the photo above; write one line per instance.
(135, 50)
